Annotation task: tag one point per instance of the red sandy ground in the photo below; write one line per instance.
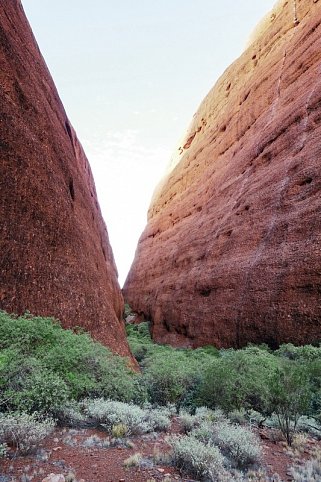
(95, 464)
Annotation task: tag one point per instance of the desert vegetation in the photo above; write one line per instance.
(50, 376)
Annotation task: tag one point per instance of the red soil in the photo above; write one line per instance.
(64, 452)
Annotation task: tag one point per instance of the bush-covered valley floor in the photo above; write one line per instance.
(70, 407)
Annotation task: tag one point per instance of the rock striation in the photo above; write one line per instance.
(55, 257)
(232, 250)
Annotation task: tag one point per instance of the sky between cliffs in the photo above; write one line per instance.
(131, 74)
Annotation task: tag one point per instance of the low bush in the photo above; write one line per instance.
(188, 421)
(159, 419)
(24, 431)
(197, 459)
(110, 413)
(72, 415)
(203, 432)
(97, 442)
(206, 414)
(119, 430)
(203, 417)
(239, 444)
(133, 460)
(310, 426)
(309, 471)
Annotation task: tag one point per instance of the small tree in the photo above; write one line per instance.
(291, 396)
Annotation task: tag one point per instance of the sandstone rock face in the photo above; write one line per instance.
(55, 257)
(232, 250)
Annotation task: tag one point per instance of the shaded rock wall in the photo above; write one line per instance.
(55, 257)
(232, 250)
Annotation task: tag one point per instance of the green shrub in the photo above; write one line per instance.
(42, 367)
(197, 459)
(24, 431)
(43, 391)
(239, 379)
(306, 353)
(170, 375)
(127, 310)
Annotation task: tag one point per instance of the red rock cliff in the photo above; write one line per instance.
(231, 253)
(55, 257)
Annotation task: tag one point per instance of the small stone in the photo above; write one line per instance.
(54, 478)
(56, 448)
(56, 440)
(161, 471)
(130, 318)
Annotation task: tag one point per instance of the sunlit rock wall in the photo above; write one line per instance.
(231, 253)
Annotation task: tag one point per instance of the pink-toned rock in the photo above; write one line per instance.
(232, 250)
(55, 255)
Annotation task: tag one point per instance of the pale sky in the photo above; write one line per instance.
(131, 74)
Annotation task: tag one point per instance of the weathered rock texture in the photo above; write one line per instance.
(231, 253)
(55, 257)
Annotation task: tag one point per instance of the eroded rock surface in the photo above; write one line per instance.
(231, 253)
(55, 257)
